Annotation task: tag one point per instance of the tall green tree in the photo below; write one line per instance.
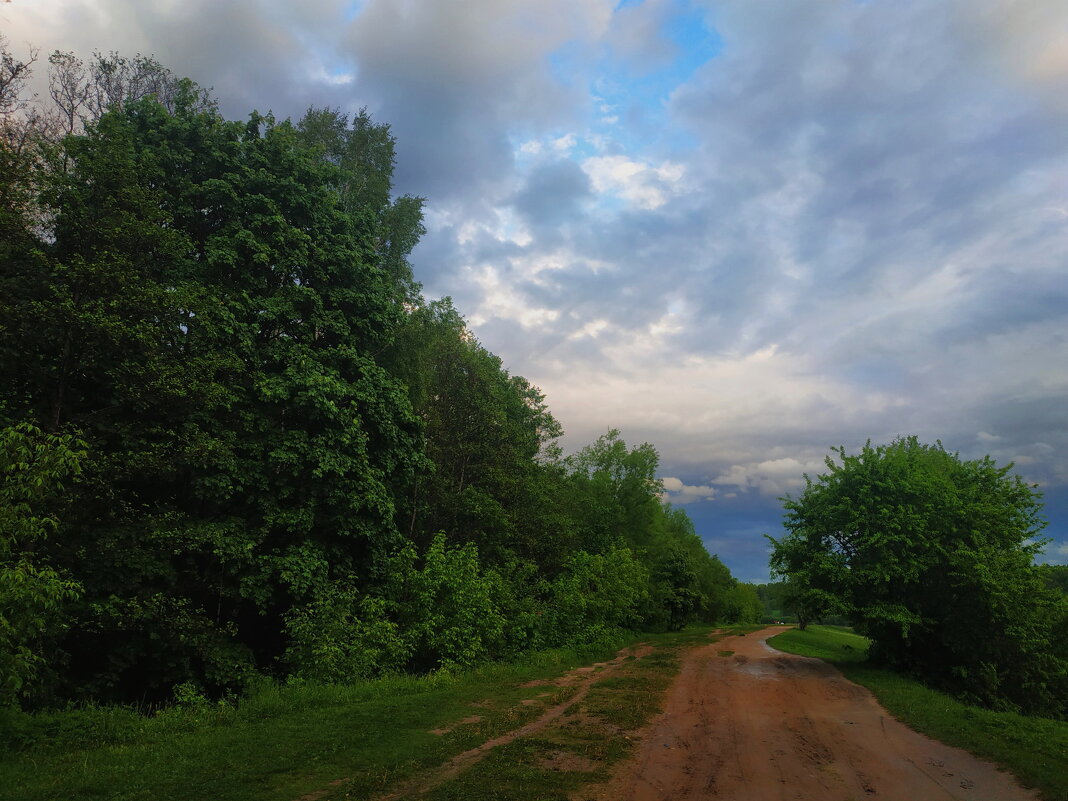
(931, 555)
(485, 432)
(206, 310)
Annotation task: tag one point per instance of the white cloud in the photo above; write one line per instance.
(1056, 553)
(645, 185)
(563, 145)
(501, 301)
(773, 477)
(592, 329)
(677, 492)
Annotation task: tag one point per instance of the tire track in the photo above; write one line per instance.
(760, 725)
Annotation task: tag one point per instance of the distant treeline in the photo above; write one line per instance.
(235, 439)
(779, 606)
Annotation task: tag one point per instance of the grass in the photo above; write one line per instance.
(834, 643)
(284, 742)
(579, 749)
(1034, 749)
(277, 745)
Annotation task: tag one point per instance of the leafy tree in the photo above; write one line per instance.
(287, 459)
(745, 605)
(615, 494)
(364, 153)
(595, 593)
(931, 555)
(33, 594)
(1056, 577)
(207, 313)
(485, 432)
(343, 635)
(446, 605)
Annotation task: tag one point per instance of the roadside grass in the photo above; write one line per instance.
(1034, 749)
(284, 742)
(280, 743)
(836, 644)
(580, 747)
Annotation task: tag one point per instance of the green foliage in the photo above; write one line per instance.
(744, 605)
(33, 595)
(1056, 577)
(293, 463)
(447, 606)
(791, 601)
(595, 592)
(342, 637)
(932, 557)
(485, 431)
(206, 313)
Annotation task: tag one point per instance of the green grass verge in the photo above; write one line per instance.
(279, 744)
(833, 643)
(579, 749)
(1034, 749)
(283, 742)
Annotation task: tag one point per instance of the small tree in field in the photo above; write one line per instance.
(932, 558)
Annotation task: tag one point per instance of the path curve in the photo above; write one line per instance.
(762, 725)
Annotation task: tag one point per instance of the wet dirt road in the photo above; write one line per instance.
(761, 725)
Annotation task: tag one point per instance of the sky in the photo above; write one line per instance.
(744, 231)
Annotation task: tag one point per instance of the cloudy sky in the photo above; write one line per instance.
(743, 231)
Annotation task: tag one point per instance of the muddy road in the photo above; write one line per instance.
(761, 725)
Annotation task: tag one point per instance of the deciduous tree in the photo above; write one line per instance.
(931, 555)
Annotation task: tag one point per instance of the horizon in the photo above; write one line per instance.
(743, 234)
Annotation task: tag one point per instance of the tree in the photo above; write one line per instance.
(33, 467)
(292, 461)
(83, 92)
(931, 556)
(1056, 577)
(206, 311)
(484, 431)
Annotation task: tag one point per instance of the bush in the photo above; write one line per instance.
(596, 593)
(447, 610)
(342, 637)
(33, 467)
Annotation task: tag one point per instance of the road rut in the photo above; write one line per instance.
(761, 725)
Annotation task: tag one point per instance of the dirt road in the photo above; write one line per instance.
(761, 725)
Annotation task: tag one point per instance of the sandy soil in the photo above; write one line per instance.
(761, 725)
